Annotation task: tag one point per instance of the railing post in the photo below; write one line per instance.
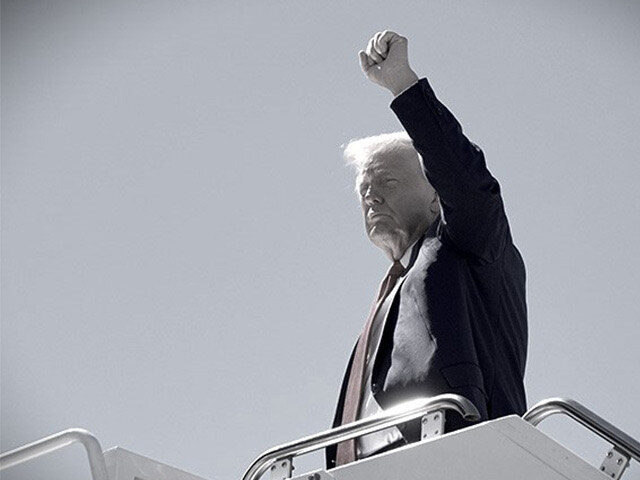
(624, 447)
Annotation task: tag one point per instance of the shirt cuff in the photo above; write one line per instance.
(414, 83)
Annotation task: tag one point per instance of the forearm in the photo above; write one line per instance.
(451, 161)
(469, 195)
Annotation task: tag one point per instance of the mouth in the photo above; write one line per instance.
(376, 215)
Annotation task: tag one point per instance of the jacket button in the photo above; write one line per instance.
(439, 110)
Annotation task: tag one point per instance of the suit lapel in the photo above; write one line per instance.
(382, 362)
(383, 353)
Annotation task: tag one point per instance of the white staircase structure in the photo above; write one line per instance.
(507, 448)
(503, 449)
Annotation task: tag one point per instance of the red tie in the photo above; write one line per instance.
(346, 452)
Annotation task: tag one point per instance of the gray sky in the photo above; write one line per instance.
(184, 265)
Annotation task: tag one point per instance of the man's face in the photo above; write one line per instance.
(396, 199)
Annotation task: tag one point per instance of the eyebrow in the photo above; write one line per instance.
(381, 170)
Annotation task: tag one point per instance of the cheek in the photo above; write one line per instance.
(412, 209)
(401, 202)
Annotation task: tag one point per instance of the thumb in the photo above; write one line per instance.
(364, 61)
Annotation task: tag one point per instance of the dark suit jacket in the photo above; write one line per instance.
(458, 323)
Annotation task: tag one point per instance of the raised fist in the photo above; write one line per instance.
(386, 63)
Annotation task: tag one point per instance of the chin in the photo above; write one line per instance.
(383, 238)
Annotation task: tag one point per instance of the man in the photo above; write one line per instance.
(450, 316)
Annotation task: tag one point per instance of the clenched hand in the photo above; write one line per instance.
(386, 63)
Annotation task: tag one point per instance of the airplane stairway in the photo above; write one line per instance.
(506, 448)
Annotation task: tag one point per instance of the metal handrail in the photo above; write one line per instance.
(55, 442)
(586, 417)
(389, 418)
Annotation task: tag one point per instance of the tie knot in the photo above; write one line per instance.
(396, 270)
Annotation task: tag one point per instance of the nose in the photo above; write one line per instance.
(371, 197)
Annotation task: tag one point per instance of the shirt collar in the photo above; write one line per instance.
(432, 231)
(406, 257)
(409, 256)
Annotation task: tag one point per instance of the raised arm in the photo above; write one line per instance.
(471, 204)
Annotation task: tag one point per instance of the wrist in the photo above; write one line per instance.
(404, 82)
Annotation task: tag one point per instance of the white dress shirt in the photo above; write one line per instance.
(369, 444)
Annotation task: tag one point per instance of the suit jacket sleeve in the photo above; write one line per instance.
(473, 217)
